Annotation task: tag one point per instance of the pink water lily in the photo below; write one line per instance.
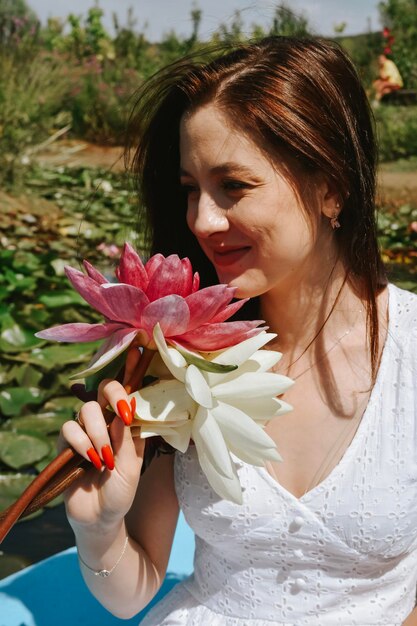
(164, 290)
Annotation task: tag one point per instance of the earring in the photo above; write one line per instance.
(334, 222)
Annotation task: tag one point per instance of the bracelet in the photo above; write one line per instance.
(103, 573)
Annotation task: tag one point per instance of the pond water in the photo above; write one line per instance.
(35, 539)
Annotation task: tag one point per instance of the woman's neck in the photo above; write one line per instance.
(318, 303)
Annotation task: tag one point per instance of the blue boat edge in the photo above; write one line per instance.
(54, 589)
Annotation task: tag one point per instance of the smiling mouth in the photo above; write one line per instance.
(229, 256)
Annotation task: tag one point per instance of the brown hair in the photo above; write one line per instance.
(303, 98)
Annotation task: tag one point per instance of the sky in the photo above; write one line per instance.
(161, 16)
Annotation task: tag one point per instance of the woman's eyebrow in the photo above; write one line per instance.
(226, 168)
(232, 168)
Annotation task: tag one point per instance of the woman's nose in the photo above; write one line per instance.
(205, 217)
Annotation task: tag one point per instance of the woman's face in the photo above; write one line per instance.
(245, 215)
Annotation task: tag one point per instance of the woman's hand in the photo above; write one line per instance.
(102, 497)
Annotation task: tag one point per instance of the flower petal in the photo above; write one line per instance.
(187, 277)
(78, 332)
(171, 312)
(110, 349)
(94, 274)
(204, 304)
(131, 269)
(157, 368)
(125, 302)
(90, 290)
(243, 351)
(228, 311)
(169, 279)
(252, 386)
(226, 488)
(261, 361)
(178, 437)
(196, 282)
(252, 457)
(167, 355)
(208, 438)
(261, 409)
(164, 401)
(240, 430)
(152, 265)
(211, 337)
(197, 387)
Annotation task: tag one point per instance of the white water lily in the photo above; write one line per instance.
(223, 412)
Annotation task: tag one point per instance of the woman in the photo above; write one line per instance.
(261, 165)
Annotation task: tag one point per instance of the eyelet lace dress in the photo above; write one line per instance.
(345, 553)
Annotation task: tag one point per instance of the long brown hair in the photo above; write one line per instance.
(300, 97)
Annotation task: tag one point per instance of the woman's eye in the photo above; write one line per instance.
(234, 185)
(188, 189)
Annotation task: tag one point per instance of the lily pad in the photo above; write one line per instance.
(13, 399)
(42, 423)
(18, 450)
(14, 338)
(27, 376)
(53, 356)
(62, 298)
(66, 405)
(11, 487)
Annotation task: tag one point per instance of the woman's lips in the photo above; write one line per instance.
(228, 256)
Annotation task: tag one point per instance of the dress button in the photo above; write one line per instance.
(298, 553)
(300, 584)
(298, 521)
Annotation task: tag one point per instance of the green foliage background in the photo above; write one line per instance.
(73, 77)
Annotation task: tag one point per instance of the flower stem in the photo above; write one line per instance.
(65, 468)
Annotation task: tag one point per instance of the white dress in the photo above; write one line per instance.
(345, 553)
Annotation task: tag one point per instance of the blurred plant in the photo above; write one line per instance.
(88, 37)
(400, 18)
(16, 19)
(33, 89)
(288, 23)
(397, 132)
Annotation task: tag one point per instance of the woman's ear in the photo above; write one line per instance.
(330, 202)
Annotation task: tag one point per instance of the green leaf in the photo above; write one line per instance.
(62, 298)
(13, 399)
(58, 355)
(203, 364)
(27, 376)
(406, 284)
(40, 465)
(14, 338)
(11, 487)
(18, 450)
(65, 405)
(41, 423)
(25, 262)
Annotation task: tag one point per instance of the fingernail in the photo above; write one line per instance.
(133, 406)
(108, 458)
(124, 411)
(94, 458)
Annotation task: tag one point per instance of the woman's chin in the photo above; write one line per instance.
(244, 287)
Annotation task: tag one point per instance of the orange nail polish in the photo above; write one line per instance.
(108, 458)
(94, 458)
(133, 406)
(124, 411)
